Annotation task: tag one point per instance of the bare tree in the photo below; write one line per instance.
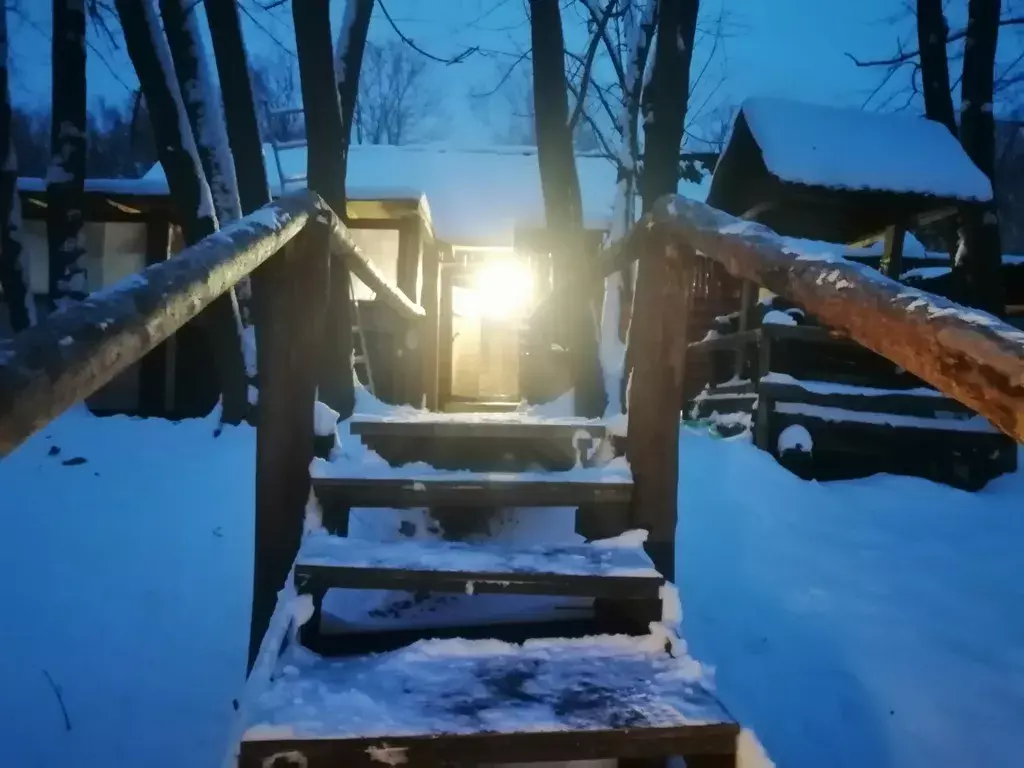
(276, 91)
(978, 263)
(329, 104)
(14, 277)
(395, 98)
(666, 98)
(151, 56)
(562, 199)
(65, 178)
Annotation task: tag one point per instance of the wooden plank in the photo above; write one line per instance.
(76, 350)
(291, 293)
(154, 368)
(966, 354)
(477, 429)
(410, 493)
(658, 345)
(430, 300)
(908, 404)
(892, 252)
(728, 341)
(692, 742)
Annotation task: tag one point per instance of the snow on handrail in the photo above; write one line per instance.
(967, 354)
(79, 348)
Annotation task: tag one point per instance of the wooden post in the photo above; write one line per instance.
(430, 301)
(292, 292)
(657, 351)
(748, 296)
(155, 367)
(892, 253)
(445, 322)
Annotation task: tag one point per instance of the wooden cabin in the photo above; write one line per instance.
(844, 183)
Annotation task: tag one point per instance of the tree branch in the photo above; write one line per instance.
(408, 41)
(588, 62)
(906, 56)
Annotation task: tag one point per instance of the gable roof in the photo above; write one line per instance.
(475, 196)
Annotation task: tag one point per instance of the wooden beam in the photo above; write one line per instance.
(657, 351)
(430, 300)
(292, 292)
(155, 366)
(76, 350)
(967, 354)
(892, 252)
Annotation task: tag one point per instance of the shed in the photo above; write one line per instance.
(841, 175)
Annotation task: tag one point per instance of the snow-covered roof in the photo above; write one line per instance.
(851, 149)
(475, 196)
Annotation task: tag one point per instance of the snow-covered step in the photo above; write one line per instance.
(620, 569)
(479, 441)
(922, 402)
(419, 486)
(466, 702)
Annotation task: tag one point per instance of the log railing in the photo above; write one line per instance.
(289, 248)
(968, 355)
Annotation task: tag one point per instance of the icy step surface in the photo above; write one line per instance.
(459, 687)
(467, 557)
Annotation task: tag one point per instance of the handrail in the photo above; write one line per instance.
(78, 349)
(967, 354)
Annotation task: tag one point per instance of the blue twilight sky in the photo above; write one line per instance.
(790, 48)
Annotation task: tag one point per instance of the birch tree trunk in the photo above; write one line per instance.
(150, 54)
(978, 267)
(14, 277)
(65, 178)
(563, 208)
(665, 99)
(206, 119)
(327, 140)
(618, 289)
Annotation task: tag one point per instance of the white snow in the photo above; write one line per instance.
(325, 419)
(833, 388)
(926, 272)
(459, 185)
(852, 149)
(872, 622)
(777, 317)
(433, 687)
(972, 424)
(624, 557)
(795, 437)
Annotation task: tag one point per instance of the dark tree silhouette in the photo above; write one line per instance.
(65, 178)
(13, 271)
(665, 99)
(148, 49)
(563, 208)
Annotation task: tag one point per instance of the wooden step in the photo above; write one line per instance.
(583, 570)
(440, 702)
(923, 402)
(491, 490)
(478, 441)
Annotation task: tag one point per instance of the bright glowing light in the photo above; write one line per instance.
(504, 288)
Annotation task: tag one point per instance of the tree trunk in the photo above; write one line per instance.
(348, 64)
(665, 99)
(14, 278)
(327, 140)
(563, 206)
(979, 266)
(618, 289)
(239, 104)
(932, 31)
(151, 57)
(65, 178)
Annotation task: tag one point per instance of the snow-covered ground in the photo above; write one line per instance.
(873, 623)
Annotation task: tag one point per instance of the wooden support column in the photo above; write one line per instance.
(748, 298)
(156, 369)
(430, 301)
(658, 345)
(408, 337)
(445, 352)
(892, 253)
(292, 292)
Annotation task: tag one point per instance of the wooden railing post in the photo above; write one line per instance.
(658, 342)
(292, 297)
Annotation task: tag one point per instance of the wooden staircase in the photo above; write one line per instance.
(431, 681)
